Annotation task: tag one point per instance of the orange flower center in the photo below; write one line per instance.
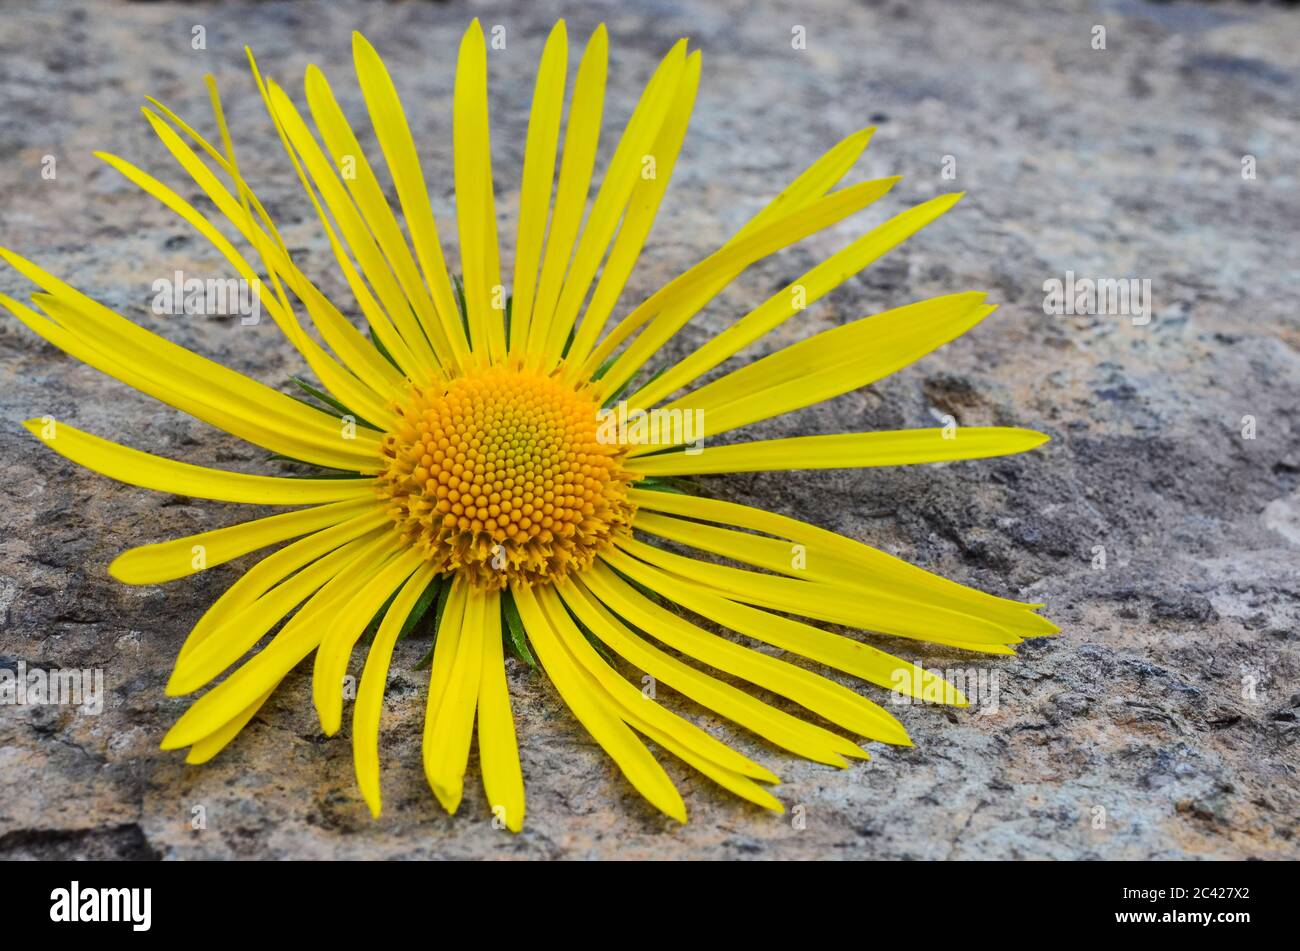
(500, 475)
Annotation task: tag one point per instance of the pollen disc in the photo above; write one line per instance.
(499, 475)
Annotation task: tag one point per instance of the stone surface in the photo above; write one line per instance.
(1161, 723)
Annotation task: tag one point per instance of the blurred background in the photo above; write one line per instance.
(1153, 143)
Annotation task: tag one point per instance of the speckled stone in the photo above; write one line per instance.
(1161, 723)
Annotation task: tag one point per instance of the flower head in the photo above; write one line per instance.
(499, 476)
(507, 464)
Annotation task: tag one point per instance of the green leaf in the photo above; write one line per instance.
(573, 332)
(591, 637)
(372, 628)
(383, 351)
(652, 595)
(421, 607)
(443, 593)
(459, 283)
(623, 390)
(318, 472)
(339, 409)
(677, 485)
(604, 367)
(514, 629)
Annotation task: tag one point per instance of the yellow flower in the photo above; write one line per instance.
(509, 460)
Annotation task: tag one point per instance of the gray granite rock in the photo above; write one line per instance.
(1161, 723)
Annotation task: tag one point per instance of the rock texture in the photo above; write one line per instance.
(1161, 723)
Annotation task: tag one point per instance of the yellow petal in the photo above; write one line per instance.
(165, 475)
(180, 557)
(833, 362)
(235, 636)
(818, 694)
(374, 681)
(666, 311)
(846, 451)
(334, 328)
(475, 206)
(821, 547)
(205, 749)
(866, 717)
(687, 299)
(390, 316)
(788, 732)
(599, 718)
(735, 783)
(829, 589)
(366, 191)
(275, 257)
(813, 182)
(633, 704)
(394, 135)
(147, 372)
(626, 168)
(273, 569)
(540, 150)
(265, 669)
(690, 584)
(810, 185)
(642, 208)
(345, 628)
(498, 749)
(679, 737)
(448, 732)
(794, 298)
(580, 139)
(236, 387)
(444, 654)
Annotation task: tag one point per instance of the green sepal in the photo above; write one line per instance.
(678, 485)
(513, 626)
(443, 593)
(340, 410)
(318, 471)
(383, 351)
